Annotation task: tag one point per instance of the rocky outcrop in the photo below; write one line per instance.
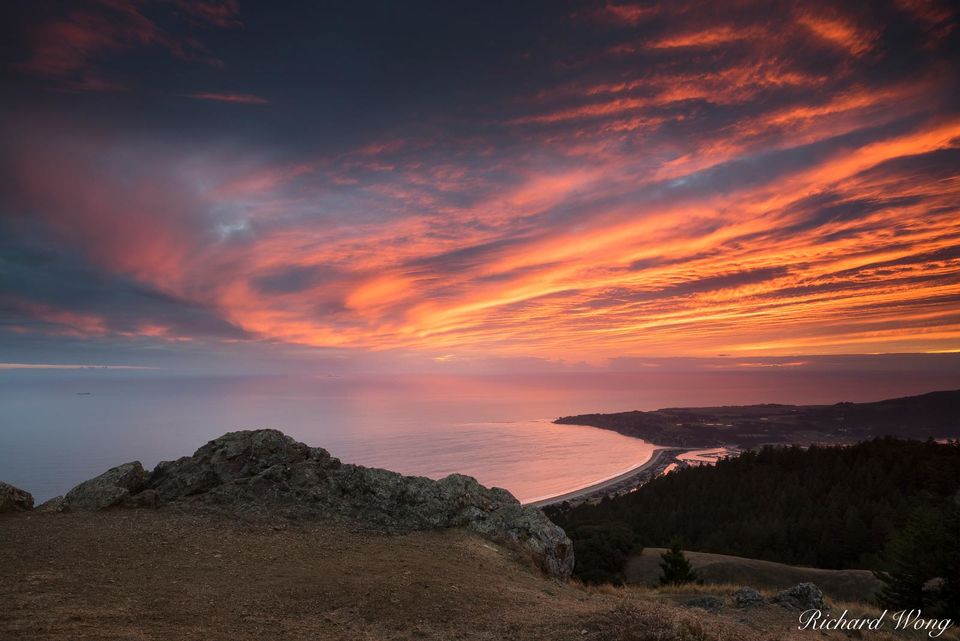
(13, 499)
(266, 472)
(804, 596)
(747, 597)
(113, 487)
(50, 505)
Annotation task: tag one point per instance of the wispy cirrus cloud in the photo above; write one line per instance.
(743, 181)
(55, 366)
(74, 51)
(240, 98)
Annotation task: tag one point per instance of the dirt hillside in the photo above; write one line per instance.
(145, 574)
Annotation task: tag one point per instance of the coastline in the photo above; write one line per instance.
(660, 455)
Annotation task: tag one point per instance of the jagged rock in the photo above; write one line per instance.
(747, 597)
(13, 499)
(230, 458)
(112, 487)
(709, 603)
(50, 505)
(803, 596)
(265, 472)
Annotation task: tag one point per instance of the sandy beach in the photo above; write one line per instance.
(655, 458)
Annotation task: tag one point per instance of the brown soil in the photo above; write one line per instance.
(140, 574)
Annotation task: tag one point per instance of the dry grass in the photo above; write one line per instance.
(630, 621)
(716, 589)
(850, 585)
(648, 613)
(144, 575)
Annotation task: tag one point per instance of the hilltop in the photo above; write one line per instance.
(257, 537)
(259, 473)
(166, 574)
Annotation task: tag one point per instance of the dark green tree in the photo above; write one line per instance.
(600, 551)
(675, 566)
(829, 507)
(915, 557)
(950, 591)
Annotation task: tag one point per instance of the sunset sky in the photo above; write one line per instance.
(441, 182)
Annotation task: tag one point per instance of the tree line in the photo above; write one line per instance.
(823, 506)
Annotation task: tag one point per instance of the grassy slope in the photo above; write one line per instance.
(846, 585)
(160, 575)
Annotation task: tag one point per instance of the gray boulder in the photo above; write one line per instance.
(113, 487)
(803, 596)
(13, 499)
(747, 597)
(264, 472)
(229, 459)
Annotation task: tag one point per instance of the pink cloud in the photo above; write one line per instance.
(736, 201)
(221, 14)
(64, 322)
(69, 50)
(240, 98)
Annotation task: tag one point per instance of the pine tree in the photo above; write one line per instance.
(950, 562)
(601, 551)
(675, 566)
(769, 504)
(914, 560)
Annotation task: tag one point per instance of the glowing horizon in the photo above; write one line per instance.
(605, 181)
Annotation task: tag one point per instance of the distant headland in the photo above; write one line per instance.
(932, 415)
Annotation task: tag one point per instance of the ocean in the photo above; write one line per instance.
(59, 428)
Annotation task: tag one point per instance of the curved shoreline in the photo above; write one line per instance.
(588, 490)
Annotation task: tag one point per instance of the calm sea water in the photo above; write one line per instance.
(61, 428)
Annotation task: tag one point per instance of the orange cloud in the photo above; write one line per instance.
(839, 32)
(734, 199)
(707, 38)
(628, 13)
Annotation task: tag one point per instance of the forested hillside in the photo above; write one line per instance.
(828, 507)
